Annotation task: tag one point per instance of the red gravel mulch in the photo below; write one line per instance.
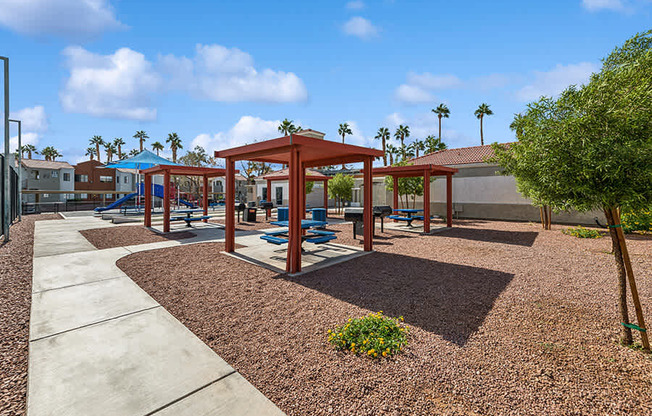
(505, 319)
(15, 302)
(129, 235)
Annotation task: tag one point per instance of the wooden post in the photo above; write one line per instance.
(630, 278)
(326, 196)
(303, 192)
(368, 205)
(148, 200)
(205, 198)
(293, 264)
(269, 191)
(229, 204)
(426, 201)
(166, 201)
(395, 195)
(449, 200)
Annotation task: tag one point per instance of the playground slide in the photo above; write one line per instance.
(117, 203)
(186, 203)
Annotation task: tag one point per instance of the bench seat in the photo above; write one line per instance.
(203, 217)
(320, 232)
(277, 232)
(399, 218)
(274, 240)
(321, 239)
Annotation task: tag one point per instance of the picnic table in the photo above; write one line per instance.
(189, 217)
(282, 236)
(408, 215)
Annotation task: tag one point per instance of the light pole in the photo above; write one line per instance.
(7, 190)
(20, 168)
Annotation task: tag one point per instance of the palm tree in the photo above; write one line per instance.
(483, 110)
(158, 146)
(402, 132)
(517, 125)
(50, 153)
(418, 146)
(141, 136)
(343, 130)
(175, 144)
(287, 127)
(97, 142)
(391, 151)
(133, 152)
(29, 149)
(118, 142)
(109, 149)
(441, 111)
(90, 152)
(433, 144)
(383, 135)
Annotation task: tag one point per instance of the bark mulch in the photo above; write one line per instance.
(505, 319)
(15, 302)
(129, 235)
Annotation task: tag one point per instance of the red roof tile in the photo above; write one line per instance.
(459, 156)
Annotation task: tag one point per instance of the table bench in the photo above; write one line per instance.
(399, 218)
(188, 220)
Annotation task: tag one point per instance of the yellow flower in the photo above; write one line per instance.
(384, 353)
(329, 331)
(353, 344)
(375, 355)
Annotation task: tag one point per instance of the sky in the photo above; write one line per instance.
(224, 73)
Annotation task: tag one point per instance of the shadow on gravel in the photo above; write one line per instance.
(446, 299)
(519, 238)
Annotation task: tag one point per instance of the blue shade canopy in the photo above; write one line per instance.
(143, 160)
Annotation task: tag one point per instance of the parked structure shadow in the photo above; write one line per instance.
(520, 238)
(450, 300)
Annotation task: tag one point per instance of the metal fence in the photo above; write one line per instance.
(13, 193)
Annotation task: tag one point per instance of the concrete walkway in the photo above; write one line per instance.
(99, 344)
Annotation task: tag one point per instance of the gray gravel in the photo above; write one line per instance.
(505, 319)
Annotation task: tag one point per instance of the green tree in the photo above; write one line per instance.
(97, 142)
(175, 144)
(402, 132)
(482, 110)
(343, 130)
(407, 187)
(90, 152)
(118, 142)
(309, 186)
(158, 146)
(441, 111)
(383, 135)
(141, 135)
(133, 152)
(287, 127)
(391, 151)
(29, 149)
(433, 144)
(340, 188)
(50, 153)
(592, 149)
(195, 157)
(109, 149)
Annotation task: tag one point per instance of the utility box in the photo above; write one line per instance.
(250, 214)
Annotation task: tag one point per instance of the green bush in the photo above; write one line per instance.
(637, 220)
(581, 232)
(374, 335)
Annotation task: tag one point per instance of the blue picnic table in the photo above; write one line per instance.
(279, 237)
(188, 218)
(408, 217)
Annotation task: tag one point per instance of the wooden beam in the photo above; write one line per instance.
(449, 200)
(229, 202)
(166, 202)
(368, 205)
(148, 200)
(426, 202)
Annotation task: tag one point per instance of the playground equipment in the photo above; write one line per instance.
(158, 191)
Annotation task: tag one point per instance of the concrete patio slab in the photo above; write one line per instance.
(132, 365)
(231, 396)
(417, 227)
(59, 310)
(74, 268)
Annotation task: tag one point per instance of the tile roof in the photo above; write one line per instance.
(45, 164)
(285, 172)
(459, 156)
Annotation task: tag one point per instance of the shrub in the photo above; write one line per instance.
(637, 220)
(373, 335)
(581, 232)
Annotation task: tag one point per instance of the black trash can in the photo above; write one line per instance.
(250, 215)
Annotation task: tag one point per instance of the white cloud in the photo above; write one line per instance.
(355, 5)
(118, 85)
(360, 27)
(247, 130)
(553, 82)
(221, 74)
(596, 5)
(34, 121)
(68, 18)
(412, 94)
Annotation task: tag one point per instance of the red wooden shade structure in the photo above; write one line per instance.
(298, 152)
(167, 171)
(310, 176)
(426, 171)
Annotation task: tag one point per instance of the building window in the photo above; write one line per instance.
(126, 179)
(109, 196)
(66, 177)
(83, 196)
(46, 195)
(36, 175)
(55, 174)
(117, 179)
(81, 178)
(106, 178)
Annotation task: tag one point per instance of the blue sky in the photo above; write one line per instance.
(224, 73)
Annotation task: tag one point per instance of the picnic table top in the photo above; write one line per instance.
(408, 210)
(304, 223)
(187, 211)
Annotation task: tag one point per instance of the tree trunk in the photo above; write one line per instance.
(384, 153)
(543, 221)
(626, 334)
(439, 115)
(481, 135)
